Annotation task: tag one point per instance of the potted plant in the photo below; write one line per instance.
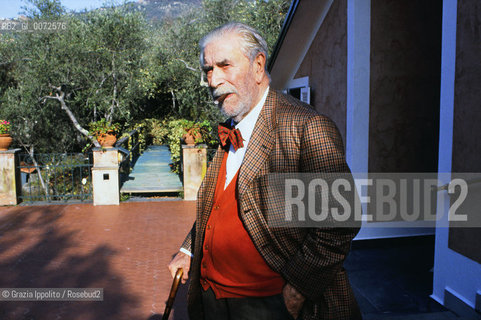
(105, 132)
(191, 136)
(5, 139)
(195, 132)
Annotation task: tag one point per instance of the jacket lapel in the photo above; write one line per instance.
(207, 189)
(260, 145)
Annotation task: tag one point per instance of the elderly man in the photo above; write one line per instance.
(241, 267)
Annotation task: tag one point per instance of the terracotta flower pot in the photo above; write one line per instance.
(107, 140)
(5, 141)
(189, 137)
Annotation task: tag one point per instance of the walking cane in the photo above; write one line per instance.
(173, 292)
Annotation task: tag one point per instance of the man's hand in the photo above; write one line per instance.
(181, 260)
(293, 300)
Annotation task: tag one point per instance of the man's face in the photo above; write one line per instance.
(230, 75)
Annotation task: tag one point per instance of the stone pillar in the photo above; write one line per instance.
(105, 177)
(195, 166)
(9, 178)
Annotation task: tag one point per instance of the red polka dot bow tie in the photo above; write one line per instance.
(234, 135)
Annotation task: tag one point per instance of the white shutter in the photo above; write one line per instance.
(306, 95)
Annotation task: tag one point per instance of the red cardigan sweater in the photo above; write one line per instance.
(231, 265)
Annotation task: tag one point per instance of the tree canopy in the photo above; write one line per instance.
(113, 64)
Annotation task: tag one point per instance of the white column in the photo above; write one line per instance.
(195, 166)
(105, 177)
(9, 178)
(442, 263)
(358, 77)
(453, 272)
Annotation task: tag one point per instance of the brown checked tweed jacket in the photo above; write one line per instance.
(288, 137)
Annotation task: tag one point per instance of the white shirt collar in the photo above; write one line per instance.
(246, 125)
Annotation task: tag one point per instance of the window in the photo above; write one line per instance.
(299, 88)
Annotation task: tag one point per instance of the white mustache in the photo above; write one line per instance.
(218, 93)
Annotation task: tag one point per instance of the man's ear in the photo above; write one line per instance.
(259, 67)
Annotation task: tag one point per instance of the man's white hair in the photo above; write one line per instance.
(251, 44)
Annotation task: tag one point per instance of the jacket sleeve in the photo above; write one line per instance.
(187, 244)
(320, 257)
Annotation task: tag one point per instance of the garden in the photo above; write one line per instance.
(111, 71)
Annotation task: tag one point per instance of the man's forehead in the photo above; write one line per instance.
(222, 48)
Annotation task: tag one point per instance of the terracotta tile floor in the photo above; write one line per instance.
(124, 249)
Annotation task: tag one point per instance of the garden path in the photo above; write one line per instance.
(152, 174)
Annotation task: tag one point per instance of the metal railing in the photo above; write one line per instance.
(55, 177)
(130, 148)
(210, 154)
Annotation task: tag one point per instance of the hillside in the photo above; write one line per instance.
(157, 10)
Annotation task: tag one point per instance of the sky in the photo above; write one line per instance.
(11, 8)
